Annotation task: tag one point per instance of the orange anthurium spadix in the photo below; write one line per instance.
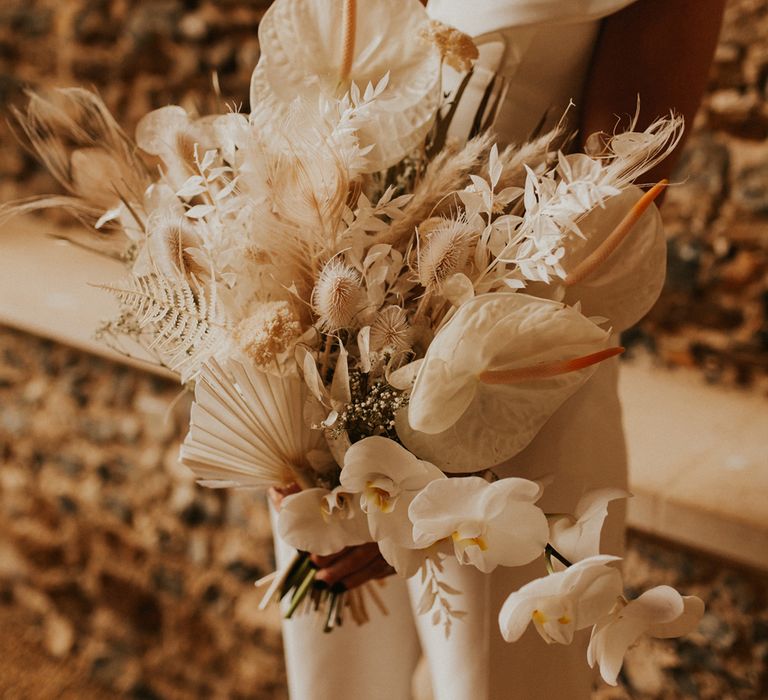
(548, 369)
(619, 270)
(461, 422)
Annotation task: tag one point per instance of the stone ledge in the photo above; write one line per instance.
(698, 459)
(698, 462)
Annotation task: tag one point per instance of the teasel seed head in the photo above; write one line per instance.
(337, 296)
(391, 333)
(444, 253)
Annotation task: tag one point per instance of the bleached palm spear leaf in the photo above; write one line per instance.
(184, 318)
(247, 428)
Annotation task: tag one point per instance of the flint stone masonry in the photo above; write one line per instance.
(116, 566)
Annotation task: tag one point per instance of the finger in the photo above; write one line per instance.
(276, 497)
(378, 568)
(354, 560)
(323, 561)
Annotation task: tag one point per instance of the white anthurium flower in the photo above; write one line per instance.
(173, 136)
(490, 524)
(387, 477)
(660, 612)
(562, 603)
(493, 375)
(577, 536)
(322, 522)
(303, 53)
(618, 270)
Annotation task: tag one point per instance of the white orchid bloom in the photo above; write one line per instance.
(660, 612)
(493, 375)
(577, 536)
(313, 49)
(490, 524)
(322, 522)
(564, 602)
(617, 271)
(387, 477)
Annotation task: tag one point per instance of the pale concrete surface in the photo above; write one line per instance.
(698, 453)
(698, 462)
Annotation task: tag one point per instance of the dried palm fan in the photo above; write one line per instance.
(73, 134)
(248, 429)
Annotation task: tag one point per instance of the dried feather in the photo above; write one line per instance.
(632, 153)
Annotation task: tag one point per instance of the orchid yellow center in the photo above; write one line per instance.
(465, 542)
(540, 618)
(379, 498)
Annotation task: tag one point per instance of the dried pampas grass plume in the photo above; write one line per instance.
(337, 296)
(447, 173)
(391, 333)
(444, 253)
(74, 136)
(268, 332)
(456, 48)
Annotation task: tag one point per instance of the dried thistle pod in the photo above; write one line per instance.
(337, 296)
(391, 333)
(444, 252)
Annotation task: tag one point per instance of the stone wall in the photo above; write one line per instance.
(714, 310)
(132, 572)
(117, 565)
(144, 54)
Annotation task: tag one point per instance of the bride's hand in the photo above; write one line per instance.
(352, 566)
(277, 495)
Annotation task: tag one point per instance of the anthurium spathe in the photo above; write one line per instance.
(493, 375)
(577, 536)
(490, 524)
(564, 602)
(617, 270)
(387, 477)
(318, 48)
(660, 612)
(322, 521)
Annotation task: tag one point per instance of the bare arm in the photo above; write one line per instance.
(660, 50)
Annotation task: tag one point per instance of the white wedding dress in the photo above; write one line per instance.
(543, 48)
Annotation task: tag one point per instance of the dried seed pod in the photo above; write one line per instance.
(337, 296)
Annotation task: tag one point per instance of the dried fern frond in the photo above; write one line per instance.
(75, 137)
(186, 321)
(445, 174)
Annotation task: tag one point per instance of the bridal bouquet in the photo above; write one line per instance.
(374, 315)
